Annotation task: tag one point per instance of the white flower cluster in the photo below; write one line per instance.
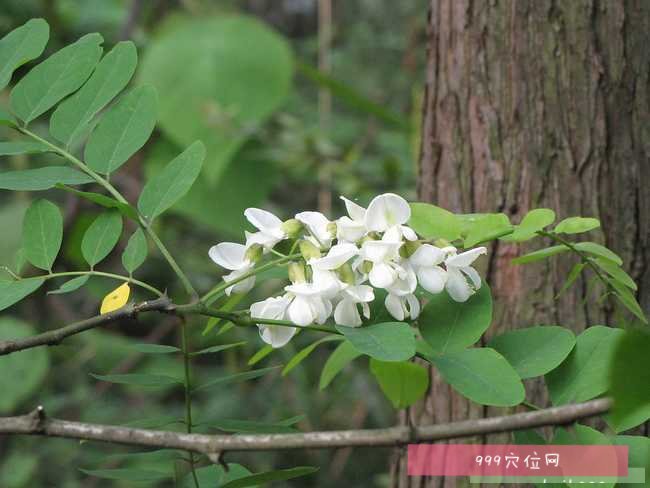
(337, 261)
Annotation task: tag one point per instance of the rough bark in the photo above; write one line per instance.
(537, 103)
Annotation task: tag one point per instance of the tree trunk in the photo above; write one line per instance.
(537, 104)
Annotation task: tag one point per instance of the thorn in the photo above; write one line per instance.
(217, 458)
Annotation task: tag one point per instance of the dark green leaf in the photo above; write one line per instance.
(584, 373)
(101, 237)
(219, 348)
(155, 422)
(268, 476)
(20, 46)
(18, 468)
(450, 326)
(302, 355)
(42, 233)
(533, 221)
(482, 375)
(572, 277)
(389, 341)
(261, 354)
(215, 475)
(135, 252)
(251, 426)
(155, 348)
(598, 250)
(434, 222)
(480, 228)
(238, 377)
(70, 120)
(174, 181)
(7, 119)
(55, 78)
(70, 285)
(138, 379)
(541, 254)
(536, 350)
(344, 354)
(41, 178)
(14, 291)
(103, 200)
(404, 383)
(128, 474)
(22, 147)
(576, 225)
(616, 272)
(627, 299)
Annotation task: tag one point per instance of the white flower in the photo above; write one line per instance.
(459, 270)
(346, 311)
(269, 226)
(382, 255)
(307, 304)
(273, 308)
(232, 256)
(406, 281)
(386, 211)
(351, 228)
(336, 257)
(317, 224)
(402, 307)
(426, 260)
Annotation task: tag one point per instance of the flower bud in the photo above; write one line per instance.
(408, 248)
(308, 250)
(254, 253)
(346, 274)
(331, 228)
(291, 227)
(297, 273)
(441, 243)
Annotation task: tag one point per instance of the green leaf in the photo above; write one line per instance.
(302, 355)
(584, 373)
(55, 78)
(101, 237)
(534, 221)
(219, 348)
(480, 228)
(616, 272)
(404, 383)
(22, 147)
(260, 354)
(138, 379)
(41, 178)
(268, 476)
(155, 348)
(198, 99)
(434, 222)
(30, 366)
(128, 474)
(42, 234)
(571, 277)
(70, 120)
(541, 254)
(250, 426)
(344, 354)
(450, 326)
(237, 377)
(14, 291)
(482, 375)
(638, 453)
(135, 251)
(627, 299)
(174, 181)
(123, 129)
(20, 46)
(598, 250)
(389, 341)
(7, 119)
(155, 422)
(215, 475)
(17, 469)
(576, 225)
(105, 201)
(536, 350)
(70, 285)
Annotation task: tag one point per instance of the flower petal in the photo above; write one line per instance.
(317, 224)
(408, 233)
(413, 305)
(427, 255)
(243, 286)
(432, 279)
(346, 313)
(349, 230)
(386, 211)
(473, 275)
(229, 255)
(336, 257)
(394, 306)
(300, 311)
(355, 211)
(265, 221)
(382, 275)
(457, 286)
(272, 308)
(379, 251)
(465, 258)
(276, 336)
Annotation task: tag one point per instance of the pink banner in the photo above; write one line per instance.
(516, 460)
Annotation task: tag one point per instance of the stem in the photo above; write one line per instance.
(188, 394)
(128, 279)
(118, 196)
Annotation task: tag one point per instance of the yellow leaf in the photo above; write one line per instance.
(115, 299)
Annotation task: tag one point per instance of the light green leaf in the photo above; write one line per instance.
(30, 366)
(260, 354)
(135, 252)
(571, 277)
(58, 76)
(42, 234)
(344, 354)
(482, 375)
(174, 181)
(576, 225)
(41, 178)
(627, 299)
(616, 272)
(479, 228)
(302, 355)
(13, 291)
(101, 237)
(598, 250)
(404, 383)
(138, 379)
(434, 222)
(123, 129)
(539, 255)
(389, 341)
(219, 348)
(70, 285)
(237, 377)
(105, 201)
(22, 147)
(20, 46)
(638, 453)
(584, 373)
(7, 119)
(536, 350)
(269, 476)
(450, 326)
(128, 474)
(70, 120)
(533, 221)
(155, 348)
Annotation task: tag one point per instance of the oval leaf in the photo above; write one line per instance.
(576, 225)
(70, 285)
(389, 341)
(22, 147)
(534, 351)
(135, 252)
(480, 228)
(14, 291)
(42, 234)
(482, 375)
(434, 222)
(20, 46)
(541, 254)
(174, 181)
(598, 250)
(339, 359)
(100, 238)
(56, 77)
(42, 178)
(115, 299)
(533, 221)
(403, 383)
(104, 200)
(450, 326)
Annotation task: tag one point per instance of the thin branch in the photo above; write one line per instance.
(36, 423)
(55, 336)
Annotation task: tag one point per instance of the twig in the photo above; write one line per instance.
(36, 423)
